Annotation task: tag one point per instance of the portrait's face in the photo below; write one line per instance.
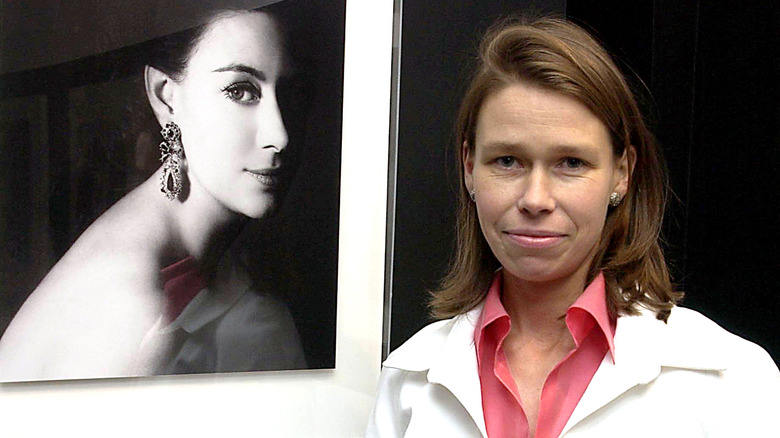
(226, 106)
(542, 170)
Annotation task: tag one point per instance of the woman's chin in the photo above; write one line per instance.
(267, 210)
(538, 274)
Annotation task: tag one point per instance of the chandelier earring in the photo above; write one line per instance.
(170, 155)
(473, 196)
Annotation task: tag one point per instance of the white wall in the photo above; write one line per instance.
(320, 403)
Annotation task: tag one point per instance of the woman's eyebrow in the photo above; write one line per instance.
(574, 148)
(243, 69)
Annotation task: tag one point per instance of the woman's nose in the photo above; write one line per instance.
(536, 196)
(272, 133)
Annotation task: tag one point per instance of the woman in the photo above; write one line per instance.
(561, 315)
(146, 289)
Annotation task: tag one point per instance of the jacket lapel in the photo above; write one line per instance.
(643, 345)
(456, 367)
(634, 364)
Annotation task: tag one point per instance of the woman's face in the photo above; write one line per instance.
(226, 106)
(542, 170)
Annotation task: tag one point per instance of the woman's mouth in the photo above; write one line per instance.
(534, 239)
(267, 177)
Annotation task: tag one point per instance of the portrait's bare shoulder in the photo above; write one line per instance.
(106, 289)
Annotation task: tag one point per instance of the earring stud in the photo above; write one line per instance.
(614, 199)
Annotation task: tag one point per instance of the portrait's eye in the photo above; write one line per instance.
(242, 92)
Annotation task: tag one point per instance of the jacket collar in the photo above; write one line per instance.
(643, 346)
(681, 342)
(449, 355)
(456, 367)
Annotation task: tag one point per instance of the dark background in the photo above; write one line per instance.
(75, 136)
(712, 72)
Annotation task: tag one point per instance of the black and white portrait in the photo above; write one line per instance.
(169, 187)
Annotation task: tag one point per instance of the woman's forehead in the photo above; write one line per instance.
(246, 38)
(531, 105)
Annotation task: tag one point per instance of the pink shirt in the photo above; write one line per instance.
(181, 282)
(592, 330)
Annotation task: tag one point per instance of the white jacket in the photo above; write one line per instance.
(688, 378)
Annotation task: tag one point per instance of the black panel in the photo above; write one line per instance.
(732, 231)
(439, 44)
(713, 78)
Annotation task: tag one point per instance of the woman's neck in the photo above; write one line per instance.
(538, 309)
(196, 226)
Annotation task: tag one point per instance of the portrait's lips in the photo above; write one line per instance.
(533, 238)
(269, 177)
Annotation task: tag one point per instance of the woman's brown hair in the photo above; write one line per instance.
(558, 55)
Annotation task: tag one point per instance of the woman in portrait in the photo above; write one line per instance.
(149, 287)
(557, 316)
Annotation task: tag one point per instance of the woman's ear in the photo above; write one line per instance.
(468, 166)
(624, 169)
(159, 91)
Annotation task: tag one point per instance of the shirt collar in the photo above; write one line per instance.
(231, 282)
(492, 310)
(593, 303)
(589, 307)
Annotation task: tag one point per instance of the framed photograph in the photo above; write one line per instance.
(254, 177)
(325, 402)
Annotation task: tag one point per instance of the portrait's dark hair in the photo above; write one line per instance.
(171, 53)
(557, 55)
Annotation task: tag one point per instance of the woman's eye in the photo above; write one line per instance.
(506, 161)
(243, 92)
(573, 163)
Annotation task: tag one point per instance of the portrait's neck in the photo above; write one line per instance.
(206, 228)
(196, 226)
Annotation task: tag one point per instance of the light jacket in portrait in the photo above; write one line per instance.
(687, 378)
